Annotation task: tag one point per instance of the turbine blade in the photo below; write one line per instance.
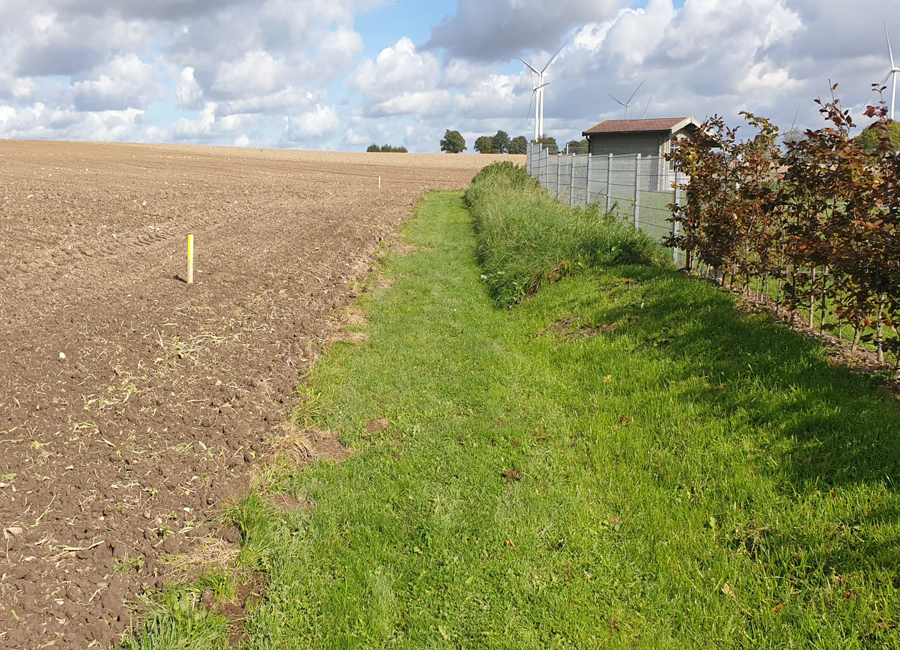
(890, 51)
(647, 108)
(634, 93)
(552, 58)
(528, 65)
(531, 103)
(619, 101)
(880, 85)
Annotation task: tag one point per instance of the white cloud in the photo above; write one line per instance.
(279, 102)
(397, 69)
(492, 30)
(39, 121)
(339, 49)
(210, 126)
(23, 89)
(636, 33)
(256, 73)
(124, 82)
(321, 121)
(232, 71)
(188, 94)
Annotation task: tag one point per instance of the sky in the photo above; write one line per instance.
(343, 74)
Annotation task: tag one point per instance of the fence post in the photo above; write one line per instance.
(587, 186)
(540, 175)
(558, 174)
(637, 192)
(545, 167)
(572, 180)
(675, 223)
(528, 159)
(609, 184)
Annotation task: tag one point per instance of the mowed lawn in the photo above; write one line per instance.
(623, 460)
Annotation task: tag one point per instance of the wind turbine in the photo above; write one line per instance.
(538, 85)
(627, 104)
(893, 73)
(647, 108)
(535, 91)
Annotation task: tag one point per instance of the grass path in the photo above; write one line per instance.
(621, 461)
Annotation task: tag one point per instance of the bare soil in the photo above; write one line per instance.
(131, 403)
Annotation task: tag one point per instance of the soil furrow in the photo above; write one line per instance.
(132, 404)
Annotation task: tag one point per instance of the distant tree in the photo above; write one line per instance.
(385, 148)
(871, 136)
(453, 142)
(484, 144)
(549, 143)
(501, 142)
(518, 145)
(577, 146)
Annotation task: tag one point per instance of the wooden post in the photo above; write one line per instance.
(190, 261)
(379, 182)
(609, 184)
(637, 192)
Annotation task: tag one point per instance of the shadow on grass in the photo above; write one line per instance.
(846, 432)
(825, 426)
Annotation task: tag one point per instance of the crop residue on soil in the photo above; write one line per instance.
(132, 403)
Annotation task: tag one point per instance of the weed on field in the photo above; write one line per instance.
(622, 460)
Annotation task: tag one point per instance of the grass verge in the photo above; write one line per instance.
(623, 460)
(527, 239)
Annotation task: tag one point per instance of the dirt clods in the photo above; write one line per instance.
(377, 426)
(306, 446)
(573, 329)
(133, 404)
(512, 475)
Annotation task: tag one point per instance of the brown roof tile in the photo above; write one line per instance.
(633, 126)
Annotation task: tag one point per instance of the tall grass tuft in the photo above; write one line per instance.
(526, 238)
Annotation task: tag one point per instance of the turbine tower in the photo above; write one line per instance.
(537, 116)
(538, 85)
(627, 104)
(893, 73)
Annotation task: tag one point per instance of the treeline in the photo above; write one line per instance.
(500, 142)
(812, 225)
(385, 148)
(572, 146)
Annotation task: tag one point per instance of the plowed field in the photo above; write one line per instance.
(132, 403)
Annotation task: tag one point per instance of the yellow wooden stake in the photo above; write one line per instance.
(190, 264)
(379, 182)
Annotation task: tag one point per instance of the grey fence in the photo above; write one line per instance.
(637, 189)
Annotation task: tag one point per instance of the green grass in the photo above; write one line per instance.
(526, 238)
(690, 476)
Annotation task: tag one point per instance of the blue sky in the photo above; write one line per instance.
(386, 25)
(341, 74)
